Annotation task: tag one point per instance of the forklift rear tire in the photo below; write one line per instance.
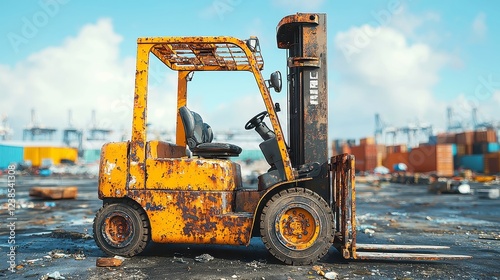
(121, 228)
(297, 226)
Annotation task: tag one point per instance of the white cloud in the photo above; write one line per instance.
(84, 73)
(381, 72)
(479, 27)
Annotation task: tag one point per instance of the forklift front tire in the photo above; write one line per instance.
(297, 226)
(121, 228)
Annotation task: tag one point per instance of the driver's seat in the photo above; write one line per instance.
(199, 137)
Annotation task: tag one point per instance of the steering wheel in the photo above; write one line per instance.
(255, 121)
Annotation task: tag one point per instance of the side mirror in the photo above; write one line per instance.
(275, 81)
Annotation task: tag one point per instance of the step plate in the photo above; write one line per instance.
(407, 256)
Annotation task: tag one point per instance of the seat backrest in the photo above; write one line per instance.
(197, 132)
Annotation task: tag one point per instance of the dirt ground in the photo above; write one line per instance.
(53, 239)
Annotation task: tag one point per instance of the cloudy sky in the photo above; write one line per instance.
(407, 60)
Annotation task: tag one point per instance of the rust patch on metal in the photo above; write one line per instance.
(194, 217)
(344, 194)
(247, 201)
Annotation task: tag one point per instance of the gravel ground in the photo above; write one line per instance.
(53, 238)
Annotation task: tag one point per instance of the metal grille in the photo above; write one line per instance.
(205, 56)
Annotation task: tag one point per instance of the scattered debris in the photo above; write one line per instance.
(80, 257)
(490, 236)
(63, 234)
(57, 254)
(68, 192)
(318, 269)
(33, 261)
(53, 276)
(180, 260)
(203, 258)
(109, 262)
(364, 227)
(331, 275)
(369, 231)
(488, 193)
(49, 204)
(256, 264)
(428, 218)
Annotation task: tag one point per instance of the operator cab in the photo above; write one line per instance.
(269, 147)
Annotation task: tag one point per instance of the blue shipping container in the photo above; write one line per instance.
(454, 149)
(10, 154)
(91, 155)
(493, 147)
(472, 162)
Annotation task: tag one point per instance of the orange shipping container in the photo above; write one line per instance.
(396, 149)
(367, 141)
(492, 163)
(463, 149)
(446, 138)
(395, 158)
(465, 138)
(366, 157)
(429, 158)
(485, 136)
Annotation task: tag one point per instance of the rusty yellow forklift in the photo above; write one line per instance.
(191, 191)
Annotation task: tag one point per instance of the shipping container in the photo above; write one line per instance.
(366, 157)
(445, 138)
(37, 155)
(463, 150)
(9, 155)
(492, 163)
(396, 149)
(454, 149)
(438, 158)
(394, 158)
(485, 148)
(472, 162)
(367, 141)
(493, 147)
(485, 136)
(342, 146)
(93, 155)
(465, 138)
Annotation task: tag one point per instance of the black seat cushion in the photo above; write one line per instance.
(216, 150)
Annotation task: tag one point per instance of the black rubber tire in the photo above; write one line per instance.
(129, 242)
(278, 233)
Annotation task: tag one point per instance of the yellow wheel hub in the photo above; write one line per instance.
(297, 229)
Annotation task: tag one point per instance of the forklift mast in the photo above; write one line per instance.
(304, 38)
